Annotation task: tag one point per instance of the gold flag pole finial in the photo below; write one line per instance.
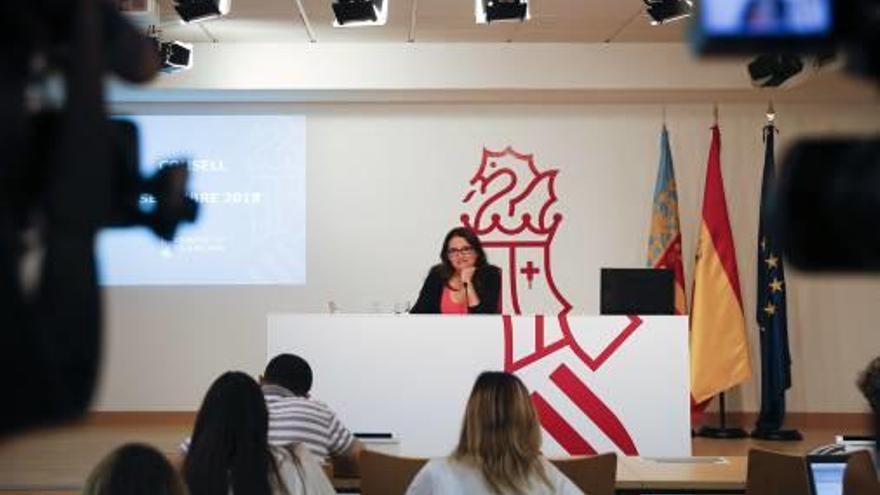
(771, 113)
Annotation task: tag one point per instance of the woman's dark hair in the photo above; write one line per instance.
(230, 446)
(869, 384)
(445, 267)
(134, 469)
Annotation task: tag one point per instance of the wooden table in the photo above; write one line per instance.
(59, 459)
(681, 475)
(656, 475)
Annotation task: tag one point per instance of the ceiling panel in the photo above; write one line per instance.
(454, 10)
(641, 31)
(561, 21)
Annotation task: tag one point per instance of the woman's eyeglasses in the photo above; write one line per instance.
(465, 251)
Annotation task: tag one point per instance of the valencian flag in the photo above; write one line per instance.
(664, 242)
(719, 348)
(771, 314)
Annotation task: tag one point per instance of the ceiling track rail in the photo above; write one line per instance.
(305, 18)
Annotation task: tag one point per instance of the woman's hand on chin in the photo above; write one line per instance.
(466, 274)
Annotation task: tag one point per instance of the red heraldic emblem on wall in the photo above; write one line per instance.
(512, 201)
(558, 364)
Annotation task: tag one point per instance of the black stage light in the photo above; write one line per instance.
(200, 10)
(663, 11)
(773, 69)
(175, 56)
(359, 12)
(488, 11)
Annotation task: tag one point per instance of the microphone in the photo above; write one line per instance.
(467, 304)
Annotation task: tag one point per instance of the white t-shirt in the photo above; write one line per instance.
(447, 477)
(304, 477)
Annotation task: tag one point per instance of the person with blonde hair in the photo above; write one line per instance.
(134, 469)
(499, 449)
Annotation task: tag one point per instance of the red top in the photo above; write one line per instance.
(450, 307)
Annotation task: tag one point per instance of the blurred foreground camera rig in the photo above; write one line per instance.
(827, 205)
(66, 171)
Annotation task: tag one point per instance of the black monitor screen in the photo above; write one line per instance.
(637, 291)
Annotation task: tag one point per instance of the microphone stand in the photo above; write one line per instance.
(467, 302)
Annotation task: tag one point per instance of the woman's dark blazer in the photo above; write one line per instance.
(486, 281)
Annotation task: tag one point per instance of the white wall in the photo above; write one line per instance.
(385, 182)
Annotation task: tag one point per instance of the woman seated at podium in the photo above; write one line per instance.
(499, 449)
(464, 282)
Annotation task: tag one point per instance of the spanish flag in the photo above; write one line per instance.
(664, 242)
(719, 347)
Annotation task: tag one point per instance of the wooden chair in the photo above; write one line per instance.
(594, 475)
(384, 474)
(860, 477)
(327, 467)
(772, 473)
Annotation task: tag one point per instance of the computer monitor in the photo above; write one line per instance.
(826, 473)
(750, 26)
(856, 442)
(637, 291)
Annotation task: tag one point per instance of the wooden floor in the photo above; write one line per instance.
(58, 460)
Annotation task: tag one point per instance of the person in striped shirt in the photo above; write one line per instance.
(295, 417)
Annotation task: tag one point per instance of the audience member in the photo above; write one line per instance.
(230, 451)
(869, 384)
(862, 476)
(499, 450)
(295, 417)
(134, 469)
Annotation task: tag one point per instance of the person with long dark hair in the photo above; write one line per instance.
(134, 469)
(869, 385)
(230, 451)
(499, 449)
(464, 281)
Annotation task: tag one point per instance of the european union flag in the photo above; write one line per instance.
(771, 311)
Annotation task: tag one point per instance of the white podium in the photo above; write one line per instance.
(599, 383)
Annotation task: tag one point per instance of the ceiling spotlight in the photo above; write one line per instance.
(353, 13)
(663, 11)
(772, 69)
(174, 55)
(201, 10)
(488, 11)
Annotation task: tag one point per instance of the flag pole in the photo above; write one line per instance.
(711, 314)
(772, 314)
(722, 431)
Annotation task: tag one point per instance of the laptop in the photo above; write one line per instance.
(826, 474)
